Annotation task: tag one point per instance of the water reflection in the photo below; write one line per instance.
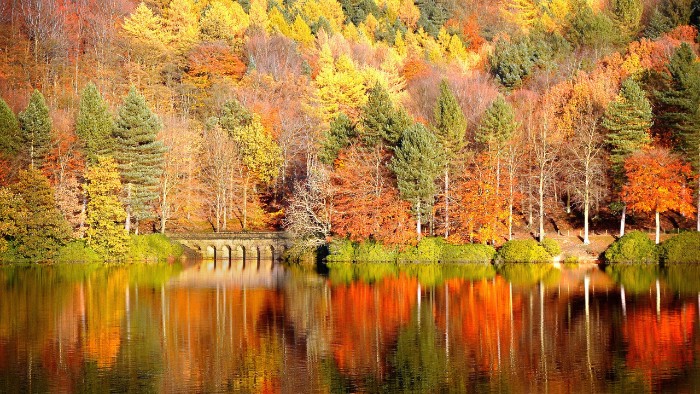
(361, 328)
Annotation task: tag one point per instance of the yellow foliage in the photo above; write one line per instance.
(224, 20)
(258, 14)
(313, 10)
(409, 14)
(146, 31)
(340, 87)
(277, 23)
(301, 32)
(183, 24)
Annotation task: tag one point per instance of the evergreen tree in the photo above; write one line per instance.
(35, 124)
(628, 120)
(667, 15)
(11, 213)
(450, 127)
(380, 121)
(497, 126)
(94, 123)
(338, 137)
(41, 230)
(627, 14)
(105, 214)
(139, 156)
(10, 136)
(417, 162)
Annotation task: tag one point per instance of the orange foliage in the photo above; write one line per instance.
(414, 69)
(658, 182)
(215, 59)
(366, 199)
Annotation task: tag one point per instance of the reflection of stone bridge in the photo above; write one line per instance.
(238, 247)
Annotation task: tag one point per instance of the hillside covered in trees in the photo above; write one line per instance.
(363, 119)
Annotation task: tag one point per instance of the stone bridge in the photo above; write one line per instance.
(237, 247)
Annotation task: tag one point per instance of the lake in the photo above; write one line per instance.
(348, 328)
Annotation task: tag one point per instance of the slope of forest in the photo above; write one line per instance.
(363, 119)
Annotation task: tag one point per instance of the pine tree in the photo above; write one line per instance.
(41, 231)
(338, 137)
(10, 136)
(35, 124)
(105, 214)
(449, 126)
(628, 120)
(94, 123)
(497, 126)
(627, 14)
(417, 162)
(380, 121)
(139, 156)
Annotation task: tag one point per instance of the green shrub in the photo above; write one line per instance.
(427, 274)
(153, 247)
(77, 252)
(684, 248)
(571, 262)
(551, 246)
(428, 249)
(633, 247)
(522, 251)
(471, 253)
(371, 252)
(469, 272)
(340, 250)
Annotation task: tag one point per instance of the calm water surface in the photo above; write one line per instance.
(353, 328)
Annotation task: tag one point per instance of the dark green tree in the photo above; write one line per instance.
(667, 15)
(35, 124)
(10, 136)
(627, 14)
(627, 120)
(139, 156)
(433, 15)
(587, 28)
(418, 160)
(681, 106)
(94, 123)
(381, 122)
(497, 126)
(450, 127)
(339, 136)
(41, 230)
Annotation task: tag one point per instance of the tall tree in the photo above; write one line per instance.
(628, 120)
(627, 14)
(35, 124)
(94, 123)
(41, 231)
(105, 213)
(417, 162)
(657, 182)
(450, 127)
(139, 156)
(681, 99)
(338, 137)
(381, 121)
(10, 136)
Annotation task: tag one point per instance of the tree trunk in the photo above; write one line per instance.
(622, 220)
(418, 217)
(541, 202)
(447, 203)
(245, 203)
(586, 209)
(658, 228)
(127, 223)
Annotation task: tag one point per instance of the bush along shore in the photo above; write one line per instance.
(635, 247)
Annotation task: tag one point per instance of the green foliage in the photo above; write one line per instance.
(626, 15)
(628, 120)
(11, 213)
(338, 137)
(417, 162)
(513, 61)
(427, 274)
(35, 124)
(356, 11)
(77, 252)
(433, 16)
(633, 247)
(588, 28)
(497, 126)
(571, 262)
(341, 250)
(371, 251)
(40, 230)
(530, 274)
(472, 253)
(551, 246)
(138, 153)
(684, 248)
(152, 275)
(429, 249)
(94, 123)
(105, 214)
(684, 279)
(635, 278)
(10, 136)
(449, 124)
(381, 122)
(345, 273)
(470, 272)
(522, 251)
(153, 248)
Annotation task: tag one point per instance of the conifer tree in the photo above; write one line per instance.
(41, 230)
(35, 124)
(381, 122)
(628, 120)
(94, 123)
(105, 214)
(627, 14)
(417, 163)
(449, 126)
(139, 156)
(338, 137)
(10, 136)
(497, 126)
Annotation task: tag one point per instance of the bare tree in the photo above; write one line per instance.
(309, 212)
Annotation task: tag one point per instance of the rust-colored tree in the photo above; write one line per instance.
(658, 182)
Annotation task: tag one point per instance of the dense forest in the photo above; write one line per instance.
(383, 120)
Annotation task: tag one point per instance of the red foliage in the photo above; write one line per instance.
(415, 69)
(215, 59)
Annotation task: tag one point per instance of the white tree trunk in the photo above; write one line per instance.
(658, 228)
(447, 203)
(622, 220)
(418, 217)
